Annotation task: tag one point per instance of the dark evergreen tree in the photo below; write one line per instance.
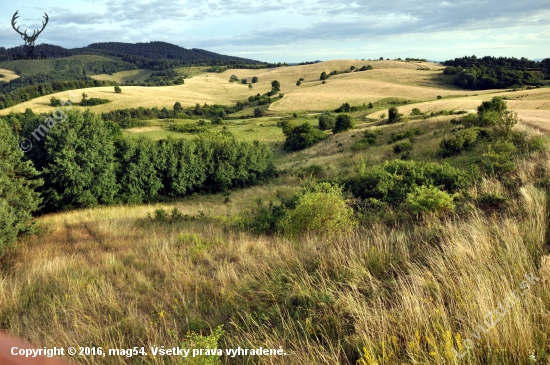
(18, 181)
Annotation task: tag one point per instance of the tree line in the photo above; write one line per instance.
(497, 73)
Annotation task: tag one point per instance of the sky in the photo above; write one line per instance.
(296, 31)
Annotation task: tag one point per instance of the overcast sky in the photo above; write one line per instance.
(294, 31)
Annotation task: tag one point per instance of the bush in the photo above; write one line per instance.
(303, 136)
(216, 121)
(93, 101)
(254, 79)
(366, 68)
(403, 147)
(323, 76)
(390, 183)
(324, 82)
(344, 108)
(233, 78)
(366, 141)
(55, 101)
(298, 83)
(410, 133)
(321, 211)
(429, 199)
(393, 115)
(243, 81)
(118, 90)
(416, 111)
(463, 140)
(258, 112)
(343, 123)
(498, 159)
(326, 121)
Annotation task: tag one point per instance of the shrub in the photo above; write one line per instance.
(258, 112)
(366, 141)
(390, 183)
(403, 147)
(320, 211)
(233, 78)
(323, 76)
(216, 120)
(463, 140)
(118, 90)
(254, 79)
(324, 82)
(393, 115)
(439, 97)
(429, 199)
(303, 136)
(498, 159)
(55, 101)
(366, 68)
(326, 121)
(343, 123)
(344, 108)
(243, 81)
(298, 83)
(416, 111)
(93, 101)
(410, 133)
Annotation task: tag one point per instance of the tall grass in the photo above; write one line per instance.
(112, 277)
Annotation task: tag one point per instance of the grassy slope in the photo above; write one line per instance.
(8, 75)
(111, 277)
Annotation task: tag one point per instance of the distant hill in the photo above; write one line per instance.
(148, 54)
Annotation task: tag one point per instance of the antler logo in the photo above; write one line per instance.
(29, 40)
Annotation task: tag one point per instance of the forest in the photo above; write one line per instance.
(497, 73)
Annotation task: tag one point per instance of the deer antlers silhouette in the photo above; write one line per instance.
(29, 40)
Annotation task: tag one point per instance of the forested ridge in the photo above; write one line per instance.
(497, 72)
(153, 55)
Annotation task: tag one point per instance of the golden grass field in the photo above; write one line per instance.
(390, 293)
(8, 75)
(387, 79)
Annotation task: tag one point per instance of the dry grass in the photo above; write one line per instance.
(8, 75)
(123, 76)
(111, 277)
(387, 79)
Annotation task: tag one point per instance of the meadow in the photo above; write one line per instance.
(395, 288)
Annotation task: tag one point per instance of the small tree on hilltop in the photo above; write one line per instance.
(275, 86)
(343, 123)
(323, 76)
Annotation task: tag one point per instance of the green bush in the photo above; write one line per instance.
(55, 101)
(303, 136)
(118, 90)
(366, 141)
(343, 123)
(403, 146)
(326, 121)
(499, 158)
(410, 133)
(463, 140)
(321, 211)
(393, 115)
(416, 111)
(429, 199)
(391, 182)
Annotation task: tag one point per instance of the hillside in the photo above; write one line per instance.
(419, 238)
(135, 53)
